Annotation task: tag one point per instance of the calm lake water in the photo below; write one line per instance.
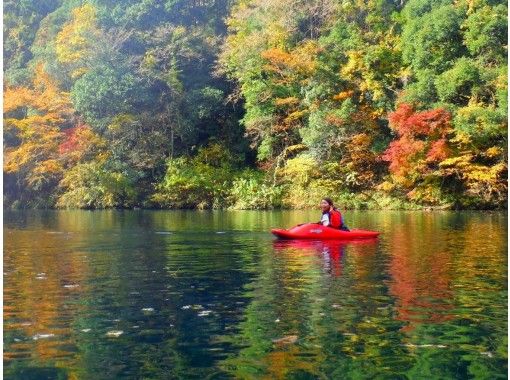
(212, 295)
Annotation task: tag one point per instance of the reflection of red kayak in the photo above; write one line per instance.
(320, 245)
(318, 232)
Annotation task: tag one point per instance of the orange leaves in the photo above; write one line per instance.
(43, 105)
(75, 138)
(289, 101)
(360, 159)
(422, 137)
(44, 101)
(44, 172)
(438, 151)
(300, 61)
(343, 95)
(35, 161)
(401, 153)
(408, 122)
(277, 57)
(494, 152)
(34, 135)
(78, 142)
(16, 97)
(427, 154)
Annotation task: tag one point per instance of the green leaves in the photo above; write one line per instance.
(455, 85)
(485, 32)
(199, 182)
(158, 80)
(91, 186)
(104, 92)
(434, 40)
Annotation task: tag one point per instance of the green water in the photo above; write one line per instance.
(212, 295)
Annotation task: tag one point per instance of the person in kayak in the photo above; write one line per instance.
(331, 217)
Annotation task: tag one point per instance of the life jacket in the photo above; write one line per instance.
(335, 218)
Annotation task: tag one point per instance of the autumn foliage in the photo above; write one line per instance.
(377, 103)
(421, 139)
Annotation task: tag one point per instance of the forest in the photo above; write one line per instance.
(255, 104)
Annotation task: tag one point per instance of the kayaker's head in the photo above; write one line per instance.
(326, 204)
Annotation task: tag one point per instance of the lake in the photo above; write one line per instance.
(212, 295)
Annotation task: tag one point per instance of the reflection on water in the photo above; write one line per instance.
(103, 295)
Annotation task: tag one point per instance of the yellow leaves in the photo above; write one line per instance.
(373, 69)
(501, 82)
(428, 193)
(300, 170)
(49, 166)
(45, 104)
(290, 101)
(102, 157)
(294, 149)
(361, 140)
(405, 74)
(11, 165)
(120, 120)
(356, 69)
(149, 61)
(179, 31)
(48, 98)
(458, 162)
(292, 117)
(31, 152)
(79, 72)
(276, 36)
(343, 95)
(461, 138)
(386, 186)
(76, 38)
(493, 151)
(17, 97)
(473, 5)
(482, 173)
(307, 52)
(354, 63)
(481, 180)
(37, 130)
(45, 172)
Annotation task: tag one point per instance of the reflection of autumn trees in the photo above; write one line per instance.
(448, 275)
(423, 301)
(288, 277)
(341, 316)
(285, 363)
(482, 256)
(420, 266)
(363, 341)
(40, 286)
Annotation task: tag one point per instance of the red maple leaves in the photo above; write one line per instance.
(422, 136)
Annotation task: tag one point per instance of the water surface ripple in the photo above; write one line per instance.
(212, 295)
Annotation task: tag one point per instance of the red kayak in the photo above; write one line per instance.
(318, 232)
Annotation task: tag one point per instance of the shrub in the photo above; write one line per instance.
(250, 192)
(90, 186)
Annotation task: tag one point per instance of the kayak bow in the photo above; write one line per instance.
(318, 232)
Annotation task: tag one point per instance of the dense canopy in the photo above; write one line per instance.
(255, 103)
